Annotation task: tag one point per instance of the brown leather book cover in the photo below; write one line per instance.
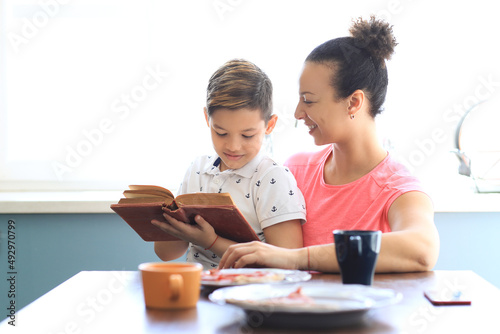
(144, 203)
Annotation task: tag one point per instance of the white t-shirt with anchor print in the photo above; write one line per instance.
(265, 193)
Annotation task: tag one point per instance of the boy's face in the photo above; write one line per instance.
(237, 135)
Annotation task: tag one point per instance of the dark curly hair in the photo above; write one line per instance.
(358, 62)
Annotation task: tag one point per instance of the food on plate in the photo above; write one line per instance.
(244, 277)
(296, 299)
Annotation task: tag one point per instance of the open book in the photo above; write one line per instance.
(143, 203)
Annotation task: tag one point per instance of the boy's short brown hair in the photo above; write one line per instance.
(240, 84)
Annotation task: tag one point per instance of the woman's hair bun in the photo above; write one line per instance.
(375, 36)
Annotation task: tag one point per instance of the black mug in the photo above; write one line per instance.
(357, 253)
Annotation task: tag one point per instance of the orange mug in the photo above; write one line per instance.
(171, 285)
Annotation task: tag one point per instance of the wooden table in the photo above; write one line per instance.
(112, 302)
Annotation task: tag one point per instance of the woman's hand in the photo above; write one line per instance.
(260, 254)
(201, 234)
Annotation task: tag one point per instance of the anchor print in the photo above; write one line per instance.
(274, 209)
(273, 181)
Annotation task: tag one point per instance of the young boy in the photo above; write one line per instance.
(239, 115)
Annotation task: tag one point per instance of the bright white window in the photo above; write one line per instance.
(101, 94)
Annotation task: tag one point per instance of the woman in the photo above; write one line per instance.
(353, 183)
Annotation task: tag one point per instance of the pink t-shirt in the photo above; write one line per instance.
(360, 205)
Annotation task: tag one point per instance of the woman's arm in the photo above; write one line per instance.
(263, 255)
(412, 245)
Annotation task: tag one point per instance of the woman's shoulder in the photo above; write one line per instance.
(396, 167)
(394, 174)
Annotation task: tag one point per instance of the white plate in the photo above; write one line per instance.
(335, 304)
(290, 276)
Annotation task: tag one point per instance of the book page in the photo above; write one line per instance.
(204, 199)
(148, 190)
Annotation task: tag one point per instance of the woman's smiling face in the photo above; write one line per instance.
(324, 115)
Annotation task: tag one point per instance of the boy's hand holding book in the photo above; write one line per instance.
(201, 233)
